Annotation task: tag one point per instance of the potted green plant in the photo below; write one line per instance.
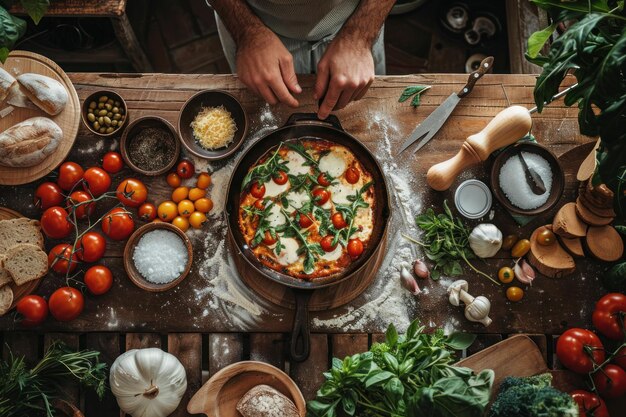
(12, 28)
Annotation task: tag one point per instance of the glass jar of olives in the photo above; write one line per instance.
(104, 113)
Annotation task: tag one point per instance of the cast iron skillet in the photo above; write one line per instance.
(307, 126)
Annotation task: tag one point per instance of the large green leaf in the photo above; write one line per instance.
(35, 8)
(11, 29)
(538, 39)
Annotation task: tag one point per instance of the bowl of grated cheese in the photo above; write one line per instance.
(212, 124)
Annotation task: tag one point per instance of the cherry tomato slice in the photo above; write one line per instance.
(321, 196)
(338, 221)
(257, 191)
(280, 178)
(323, 180)
(355, 248)
(327, 243)
(304, 221)
(268, 239)
(352, 175)
(259, 205)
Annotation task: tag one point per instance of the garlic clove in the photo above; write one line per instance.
(524, 272)
(420, 269)
(408, 281)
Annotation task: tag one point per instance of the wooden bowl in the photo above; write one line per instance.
(558, 178)
(137, 126)
(218, 397)
(131, 270)
(94, 97)
(211, 98)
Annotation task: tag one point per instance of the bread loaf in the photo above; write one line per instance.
(26, 262)
(21, 230)
(265, 401)
(47, 93)
(28, 143)
(6, 299)
(6, 81)
(5, 278)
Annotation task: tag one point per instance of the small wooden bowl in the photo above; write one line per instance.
(558, 178)
(94, 97)
(137, 126)
(218, 397)
(211, 98)
(131, 270)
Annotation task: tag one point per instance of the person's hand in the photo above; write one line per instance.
(266, 67)
(344, 74)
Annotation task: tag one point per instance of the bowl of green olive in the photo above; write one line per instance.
(105, 113)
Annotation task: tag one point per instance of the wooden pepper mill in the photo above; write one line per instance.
(506, 128)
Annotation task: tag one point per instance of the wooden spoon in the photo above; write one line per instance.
(588, 166)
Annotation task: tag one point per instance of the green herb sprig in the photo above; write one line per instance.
(310, 250)
(349, 214)
(416, 91)
(265, 171)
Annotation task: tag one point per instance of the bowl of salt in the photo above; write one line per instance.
(511, 187)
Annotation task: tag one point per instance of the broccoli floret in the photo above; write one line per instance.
(532, 397)
(378, 349)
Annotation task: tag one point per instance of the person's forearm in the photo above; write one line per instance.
(365, 23)
(238, 18)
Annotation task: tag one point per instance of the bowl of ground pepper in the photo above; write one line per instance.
(150, 145)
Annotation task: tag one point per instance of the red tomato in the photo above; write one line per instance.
(132, 192)
(323, 180)
(112, 162)
(118, 224)
(69, 175)
(34, 309)
(98, 279)
(320, 196)
(305, 221)
(268, 239)
(352, 175)
(78, 201)
(47, 195)
(257, 191)
(258, 204)
(355, 248)
(55, 223)
(61, 259)
(281, 178)
(327, 243)
(610, 310)
(572, 350)
(620, 358)
(91, 247)
(185, 169)
(338, 221)
(147, 212)
(66, 303)
(96, 181)
(610, 381)
(589, 404)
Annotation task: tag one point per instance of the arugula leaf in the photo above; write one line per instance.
(299, 148)
(264, 172)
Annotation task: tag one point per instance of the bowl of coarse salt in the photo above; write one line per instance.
(158, 256)
(509, 184)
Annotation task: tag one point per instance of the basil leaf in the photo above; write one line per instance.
(391, 337)
(460, 341)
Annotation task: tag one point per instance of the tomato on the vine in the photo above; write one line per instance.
(91, 247)
(338, 220)
(320, 196)
(61, 259)
(47, 195)
(55, 223)
(280, 177)
(98, 279)
(352, 175)
(34, 308)
(131, 192)
(304, 220)
(355, 248)
(69, 175)
(78, 201)
(118, 224)
(185, 169)
(589, 404)
(327, 243)
(112, 162)
(257, 191)
(578, 349)
(147, 212)
(609, 312)
(96, 181)
(323, 180)
(610, 381)
(66, 303)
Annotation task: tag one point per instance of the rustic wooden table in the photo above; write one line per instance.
(211, 319)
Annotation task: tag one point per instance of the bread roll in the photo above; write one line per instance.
(28, 143)
(26, 262)
(265, 401)
(6, 299)
(6, 81)
(47, 93)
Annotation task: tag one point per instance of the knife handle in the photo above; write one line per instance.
(485, 66)
(504, 129)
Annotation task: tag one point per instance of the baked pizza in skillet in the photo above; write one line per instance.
(307, 208)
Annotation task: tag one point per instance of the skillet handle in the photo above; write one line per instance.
(311, 118)
(301, 333)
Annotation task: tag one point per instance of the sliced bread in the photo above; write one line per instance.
(26, 262)
(5, 278)
(6, 299)
(16, 231)
(266, 401)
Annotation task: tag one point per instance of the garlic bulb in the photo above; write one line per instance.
(485, 240)
(148, 382)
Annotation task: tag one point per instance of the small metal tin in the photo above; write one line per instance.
(473, 199)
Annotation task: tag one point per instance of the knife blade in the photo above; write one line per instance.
(431, 125)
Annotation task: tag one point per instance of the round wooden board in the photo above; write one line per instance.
(323, 298)
(20, 62)
(30, 286)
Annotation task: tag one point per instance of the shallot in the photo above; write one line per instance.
(524, 272)
(408, 281)
(420, 269)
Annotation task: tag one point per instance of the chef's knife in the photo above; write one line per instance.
(429, 127)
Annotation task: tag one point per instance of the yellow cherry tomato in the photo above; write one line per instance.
(506, 275)
(179, 194)
(514, 293)
(173, 180)
(203, 205)
(196, 193)
(197, 219)
(204, 180)
(185, 208)
(157, 220)
(167, 210)
(521, 248)
(546, 237)
(181, 222)
(509, 241)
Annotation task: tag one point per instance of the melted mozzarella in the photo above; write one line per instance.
(298, 199)
(272, 189)
(334, 254)
(334, 162)
(289, 253)
(296, 163)
(364, 219)
(339, 193)
(275, 216)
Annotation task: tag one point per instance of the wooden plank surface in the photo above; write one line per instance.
(224, 349)
(70, 390)
(269, 348)
(188, 349)
(108, 344)
(308, 374)
(81, 8)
